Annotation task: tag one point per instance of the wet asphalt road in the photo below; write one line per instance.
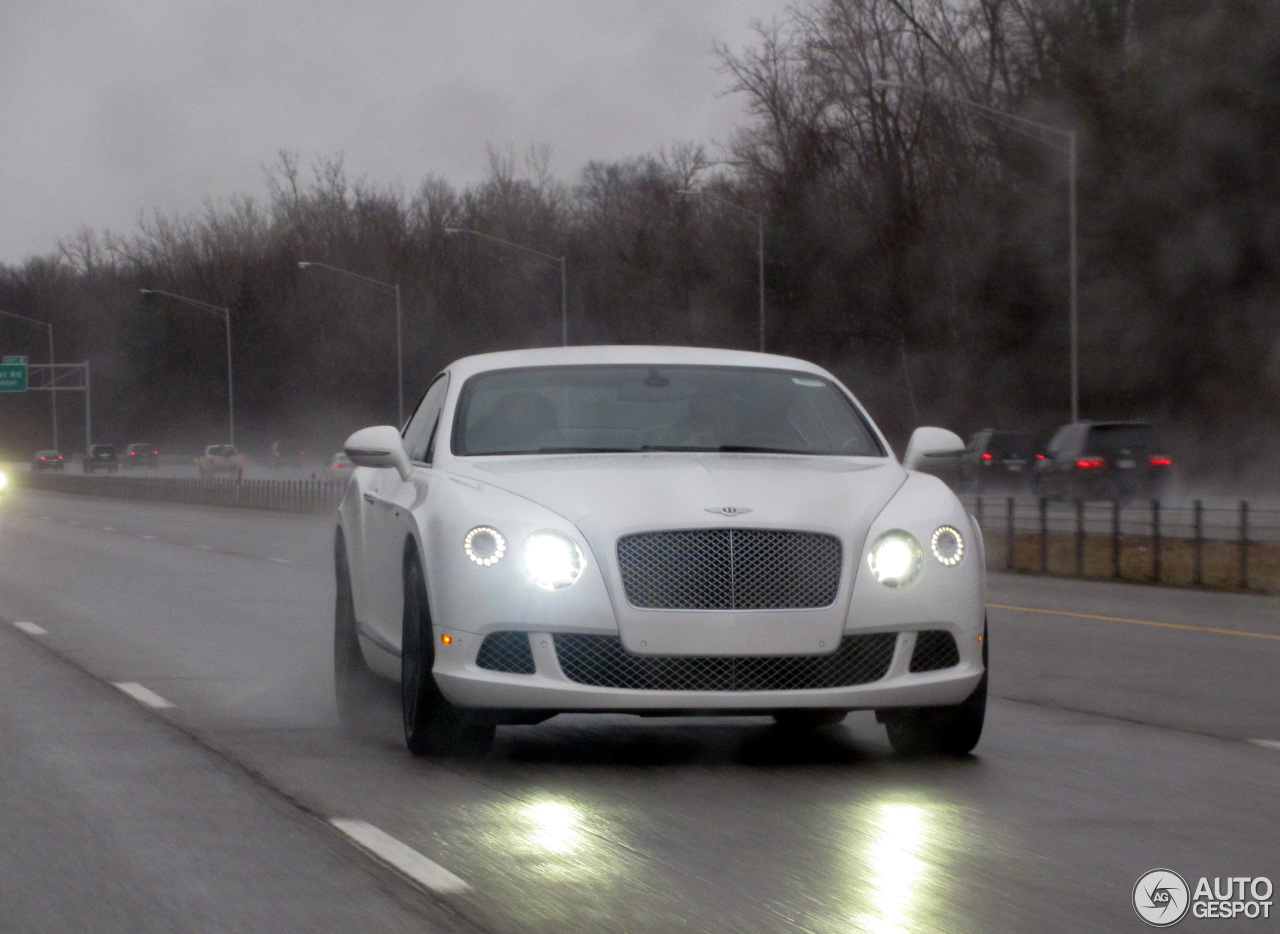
(1113, 746)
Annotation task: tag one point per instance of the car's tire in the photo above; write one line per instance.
(803, 720)
(432, 725)
(950, 731)
(355, 686)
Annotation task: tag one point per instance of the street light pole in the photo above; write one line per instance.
(53, 389)
(759, 217)
(392, 288)
(226, 315)
(1038, 132)
(558, 260)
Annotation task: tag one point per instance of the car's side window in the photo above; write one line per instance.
(419, 436)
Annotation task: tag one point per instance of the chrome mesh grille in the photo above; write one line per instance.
(729, 569)
(506, 651)
(935, 649)
(603, 662)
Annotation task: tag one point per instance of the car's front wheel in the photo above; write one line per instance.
(952, 731)
(432, 725)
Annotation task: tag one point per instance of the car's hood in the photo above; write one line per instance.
(685, 490)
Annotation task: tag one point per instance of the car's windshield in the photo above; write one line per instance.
(630, 408)
(1006, 444)
(222, 450)
(1132, 436)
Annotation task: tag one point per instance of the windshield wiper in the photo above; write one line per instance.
(585, 450)
(757, 449)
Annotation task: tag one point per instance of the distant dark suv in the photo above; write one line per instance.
(100, 457)
(997, 460)
(142, 455)
(1104, 460)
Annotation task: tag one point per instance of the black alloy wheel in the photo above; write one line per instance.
(950, 731)
(355, 686)
(432, 725)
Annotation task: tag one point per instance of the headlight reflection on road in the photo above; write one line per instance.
(901, 834)
(555, 826)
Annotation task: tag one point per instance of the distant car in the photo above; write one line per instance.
(997, 460)
(655, 530)
(47, 460)
(100, 457)
(340, 466)
(142, 455)
(1103, 460)
(220, 459)
(286, 454)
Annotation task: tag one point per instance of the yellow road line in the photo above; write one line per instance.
(1139, 622)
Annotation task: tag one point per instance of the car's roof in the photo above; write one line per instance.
(636, 354)
(46, 451)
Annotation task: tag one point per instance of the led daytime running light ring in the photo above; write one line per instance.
(499, 546)
(957, 556)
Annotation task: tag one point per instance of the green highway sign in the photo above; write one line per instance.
(13, 374)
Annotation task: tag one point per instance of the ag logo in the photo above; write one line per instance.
(1161, 898)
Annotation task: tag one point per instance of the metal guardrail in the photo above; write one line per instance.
(306, 496)
(1234, 548)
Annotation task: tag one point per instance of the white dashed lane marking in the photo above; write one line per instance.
(142, 695)
(31, 629)
(1267, 743)
(395, 854)
(280, 560)
(150, 538)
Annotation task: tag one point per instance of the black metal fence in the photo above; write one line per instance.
(310, 496)
(1232, 546)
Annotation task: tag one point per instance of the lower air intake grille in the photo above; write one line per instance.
(729, 569)
(506, 651)
(603, 662)
(935, 649)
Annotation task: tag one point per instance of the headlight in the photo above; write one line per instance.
(4, 480)
(485, 546)
(895, 559)
(947, 546)
(552, 560)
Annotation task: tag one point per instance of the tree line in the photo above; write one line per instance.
(915, 242)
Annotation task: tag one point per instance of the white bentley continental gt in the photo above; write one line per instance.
(655, 530)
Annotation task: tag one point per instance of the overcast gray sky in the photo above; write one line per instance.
(110, 110)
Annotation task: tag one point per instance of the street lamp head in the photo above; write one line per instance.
(302, 264)
(453, 230)
(147, 291)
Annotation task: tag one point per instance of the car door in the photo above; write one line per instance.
(387, 502)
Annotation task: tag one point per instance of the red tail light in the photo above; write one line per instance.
(1091, 463)
(986, 455)
(1161, 461)
(1039, 457)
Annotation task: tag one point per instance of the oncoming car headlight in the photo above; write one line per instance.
(552, 560)
(485, 546)
(4, 480)
(947, 545)
(895, 559)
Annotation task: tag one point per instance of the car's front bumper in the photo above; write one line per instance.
(464, 683)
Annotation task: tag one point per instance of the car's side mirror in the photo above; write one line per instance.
(379, 446)
(926, 444)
